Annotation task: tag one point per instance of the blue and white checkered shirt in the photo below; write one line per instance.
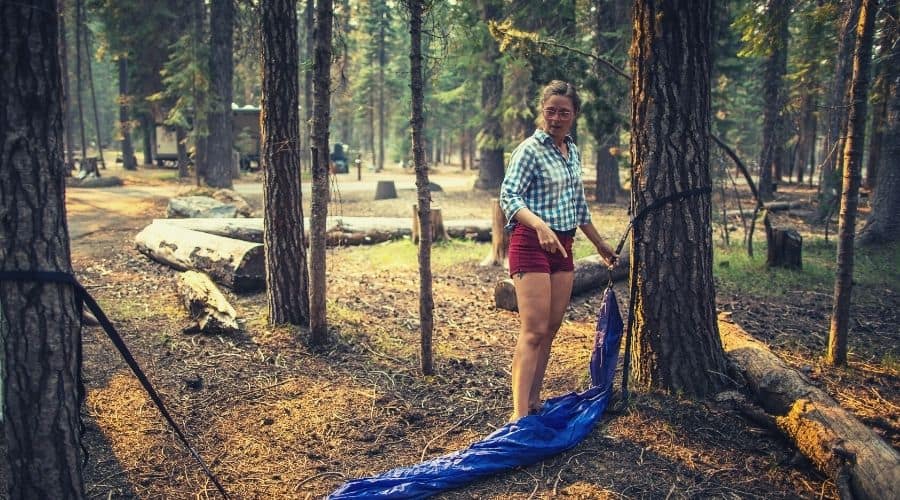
(540, 178)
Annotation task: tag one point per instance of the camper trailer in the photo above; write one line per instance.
(245, 137)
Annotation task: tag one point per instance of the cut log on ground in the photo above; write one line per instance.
(772, 206)
(499, 237)
(237, 264)
(438, 230)
(206, 304)
(200, 206)
(836, 442)
(590, 274)
(341, 230)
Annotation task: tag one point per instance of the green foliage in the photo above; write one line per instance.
(875, 269)
(185, 74)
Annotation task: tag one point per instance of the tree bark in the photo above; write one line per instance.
(287, 277)
(772, 151)
(221, 70)
(677, 346)
(67, 95)
(883, 224)
(832, 145)
(309, 23)
(490, 138)
(852, 167)
(40, 323)
(836, 442)
(200, 112)
(181, 137)
(417, 120)
(129, 162)
(79, 93)
(90, 75)
(319, 210)
(237, 264)
(382, 62)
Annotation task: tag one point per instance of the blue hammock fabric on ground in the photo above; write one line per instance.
(561, 424)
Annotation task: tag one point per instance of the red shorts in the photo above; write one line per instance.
(527, 256)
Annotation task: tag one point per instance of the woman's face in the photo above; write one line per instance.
(559, 115)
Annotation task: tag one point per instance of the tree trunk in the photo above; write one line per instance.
(129, 162)
(287, 277)
(67, 95)
(834, 441)
(677, 346)
(426, 298)
(318, 326)
(490, 139)
(608, 18)
(772, 152)
(852, 166)
(883, 224)
(832, 145)
(498, 255)
(382, 62)
(306, 130)
(883, 76)
(237, 264)
(181, 137)
(200, 116)
(40, 323)
(147, 131)
(806, 136)
(90, 75)
(221, 69)
(79, 93)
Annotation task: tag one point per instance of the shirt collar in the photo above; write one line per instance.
(542, 136)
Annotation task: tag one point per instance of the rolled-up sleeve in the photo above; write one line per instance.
(515, 183)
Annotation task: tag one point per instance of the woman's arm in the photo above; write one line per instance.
(606, 252)
(547, 238)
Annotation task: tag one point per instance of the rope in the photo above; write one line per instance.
(656, 204)
(84, 298)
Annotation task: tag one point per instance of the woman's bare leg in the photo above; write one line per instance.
(560, 293)
(533, 295)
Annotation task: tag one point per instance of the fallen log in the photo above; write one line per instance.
(590, 274)
(237, 264)
(206, 305)
(773, 206)
(836, 442)
(341, 230)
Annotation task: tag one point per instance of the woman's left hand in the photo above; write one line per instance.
(608, 255)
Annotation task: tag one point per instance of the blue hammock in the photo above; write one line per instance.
(561, 424)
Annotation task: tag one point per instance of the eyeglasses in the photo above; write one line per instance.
(562, 114)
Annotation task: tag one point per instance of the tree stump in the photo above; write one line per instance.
(438, 230)
(385, 190)
(499, 237)
(786, 249)
(206, 304)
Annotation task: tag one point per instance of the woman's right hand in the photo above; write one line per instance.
(548, 239)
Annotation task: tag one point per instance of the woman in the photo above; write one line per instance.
(543, 199)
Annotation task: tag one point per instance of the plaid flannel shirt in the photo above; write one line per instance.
(540, 178)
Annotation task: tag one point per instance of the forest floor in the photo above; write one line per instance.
(275, 419)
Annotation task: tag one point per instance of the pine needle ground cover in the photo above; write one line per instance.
(277, 420)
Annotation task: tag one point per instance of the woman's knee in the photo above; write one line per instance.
(534, 337)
